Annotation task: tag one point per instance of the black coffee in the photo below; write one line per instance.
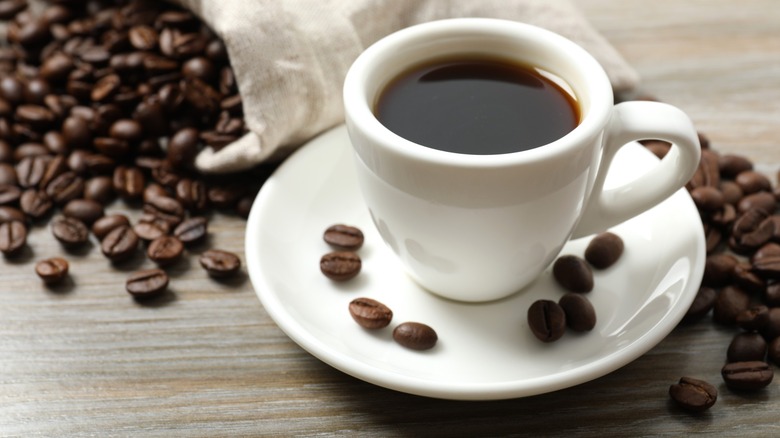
(477, 106)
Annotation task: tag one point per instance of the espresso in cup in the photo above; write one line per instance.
(478, 105)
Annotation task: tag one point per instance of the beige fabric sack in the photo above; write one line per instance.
(290, 58)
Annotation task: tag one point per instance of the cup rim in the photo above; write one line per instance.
(358, 106)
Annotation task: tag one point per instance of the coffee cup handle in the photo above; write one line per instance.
(633, 121)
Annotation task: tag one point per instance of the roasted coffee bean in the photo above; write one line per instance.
(218, 263)
(771, 295)
(69, 231)
(192, 194)
(747, 376)
(52, 270)
(707, 198)
(8, 214)
(165, 205)
(708, 172)
(128, 130)
(753, 318)
(199, 67)
(106, 224)
(718, 269)
(148, 283)
(111, 147)
(128, 182)
(143, 37)
(701, 305)
(183, 147)
(65, 187)
(580, 314)
(547, 320)
(729, 303)
(370, 314)
(415, 336)
(224, 196)
(165, 250)
(746, 347)
(761, 200)
(731, 192)
(36, 116)
(732, 165)
(766, 261)
(340, 265)
(85, 210)
(99, 189)
(770, 323)
(154, 190)
(35, 203)
(344, 237)
(744, 277)
(9, 8)
(106, 88)
(25, 150)
(9, 194)
(13, 237)
(604, 250)
(148, 231)
(751, 181)
(7, 174)
(774, 350)
(192, 230)
(76, 132)
(54, 168)
(693, 394)
(119, 244)
(573, 274)
(30, 171)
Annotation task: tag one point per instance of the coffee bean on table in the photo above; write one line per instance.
(754, 318)
(693, 394)
(415, 336)
(192, 230)
(52, 270)
(774, 350)
(13, 237)
(218, 263)
(147, 283)
(718, 269)
(119, 244)
(344, 237)
(165, 250)
(573, 273)
(9, 194)
(701, 305)
(69, 231)
(604, 250)
(730, 302)
(148, 231)
(35, 203)
(746, 347)
(580, 314)
(770, 323)
(99, 189)
(547, 320)
(105, 224)
(85, 210)
(370, 314)
(340, 265)
(747, 376)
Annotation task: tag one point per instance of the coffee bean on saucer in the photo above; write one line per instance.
(370, 314)
(747, 376)
(693, 394)
(580, 314)
(219, 264)
(746, 347)
(52, 270)
(604, 250)
(344, 237)
(573, 273)
(13, 237)
(415, 336)
(165, 250)
(147, 283)
(340, 265)
(547, 320)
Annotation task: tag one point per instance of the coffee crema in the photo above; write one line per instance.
(477, 106)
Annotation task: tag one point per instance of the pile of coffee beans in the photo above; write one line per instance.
(102, 100)
(345, 264)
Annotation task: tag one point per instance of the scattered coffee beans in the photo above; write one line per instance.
(52, 270)
(415, 335)
(220, 264)
(573, 273)
(604, 250)
(148, 283)
(747, 376)
(693, 394)
(370, 314)
(547, 320)
(340, 265)
(344, 237)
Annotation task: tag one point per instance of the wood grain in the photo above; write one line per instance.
(84, 359)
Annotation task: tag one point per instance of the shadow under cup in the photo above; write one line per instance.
(475, 227)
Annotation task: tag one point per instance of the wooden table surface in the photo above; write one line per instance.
(85, 359)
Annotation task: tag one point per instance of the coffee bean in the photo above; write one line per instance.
(30, 171)
(119, 244)
(143, 37)
(340, 265)
(770, 323)
(718, 269)
(604, 250)
(744, 277)
(707, 198)
(69, 231)
(747, 376)
(774, 350)
(693, 394)
(7, 174)
(35, 203)
(344, 237)
(192, 194)
(729, 303)
(701, 305)
(415, 336)
(761, 200)
(9, 194)
(771, 295)
(753, 318)
(731, 192)
(766, 261)
(573, 274)
(218, 263)
(165, 250)
(547, 320)
(751, 181)
(128, 130)
(148, 283)
(9, 8)
(148, 231)
(85, 210)
(580, 314)
(128, 182)
(76, 132)
(99, 189)
(370, 314)
(106, 88)
(154, 190)
(52, 270)
(732, 165)
(8, 214)
(106, 224)
(13, 237)
(746, 347)
(65, 187)
(183, 147)
(192, 230)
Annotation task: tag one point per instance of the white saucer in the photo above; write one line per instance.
(485, 351)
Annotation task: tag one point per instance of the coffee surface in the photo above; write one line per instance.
(477, 106)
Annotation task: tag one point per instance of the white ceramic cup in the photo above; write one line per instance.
(481, 227)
